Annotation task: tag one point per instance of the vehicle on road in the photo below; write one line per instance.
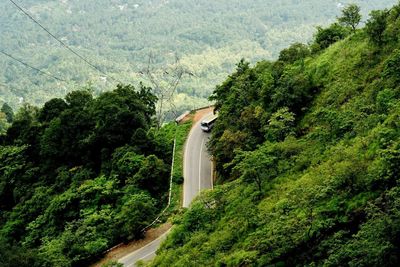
(208, 122)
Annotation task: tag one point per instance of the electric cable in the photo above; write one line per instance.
(34, 68)
(63, 43)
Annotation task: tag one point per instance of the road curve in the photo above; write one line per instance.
(145, 253)
(197, 168)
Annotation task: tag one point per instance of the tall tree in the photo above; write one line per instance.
(351, 16)
(376, 26)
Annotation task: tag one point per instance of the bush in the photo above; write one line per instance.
(295, 52)
(376, 26)
(392, 67)
(325, 37)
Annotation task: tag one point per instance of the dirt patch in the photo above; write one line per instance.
(186, 118)
(126, 249)
(201, 113)
(195, 117)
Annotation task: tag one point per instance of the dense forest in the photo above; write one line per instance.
(118, 36)
(308, 153)
(79, 175)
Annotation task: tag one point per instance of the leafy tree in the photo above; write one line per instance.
(126, 163)
(64, 172)
(78, 99)
(6, 109)
(119, 113)
(13, 255)
(152, 176)
(136, 213)
(67, 138)
(13, 165)
(376, 26)
(280, 124)
(24, 128)
(295, 52)
(52, 109)
(351, 16)
(328, 36)
(227, 146)
(294, 90)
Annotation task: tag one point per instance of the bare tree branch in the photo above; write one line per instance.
(165, 82)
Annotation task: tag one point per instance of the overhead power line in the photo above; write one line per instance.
(61, 42)
(34, 68)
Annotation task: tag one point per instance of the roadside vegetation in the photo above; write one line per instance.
(179, 132)
(80, 175)
(182, 132)
(308, 153)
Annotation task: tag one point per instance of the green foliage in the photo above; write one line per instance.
(391, 71)
(112, 264)
(75, 178)
(15, 256)
(308, 158)
(52, 109)
(8, 111)
(376, 26)
(280, 125)
(328, 36)
(102, 31)
(295, 52)
(126, 163)
(136, 213)
(351, 16)
(182, 132)
(3, 123)
(152, 176)
(12, 171)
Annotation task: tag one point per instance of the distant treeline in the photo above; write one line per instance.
(118, 37)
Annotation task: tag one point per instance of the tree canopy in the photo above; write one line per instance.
(75, 178)
(351, 16)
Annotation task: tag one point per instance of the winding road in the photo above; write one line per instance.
(197, 168)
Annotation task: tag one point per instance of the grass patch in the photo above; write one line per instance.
(181, 131)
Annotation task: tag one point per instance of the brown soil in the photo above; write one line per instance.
(187, 118)
(125, 249)
(200, 114)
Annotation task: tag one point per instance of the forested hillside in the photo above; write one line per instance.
(118, 36)
(308, 153)
(80, 175)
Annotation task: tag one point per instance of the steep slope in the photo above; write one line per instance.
(308, 155)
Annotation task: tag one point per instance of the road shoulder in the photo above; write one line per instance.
(126, 249)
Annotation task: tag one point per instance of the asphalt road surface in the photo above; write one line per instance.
(197, 166)
(198, 176)
(145, 253)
